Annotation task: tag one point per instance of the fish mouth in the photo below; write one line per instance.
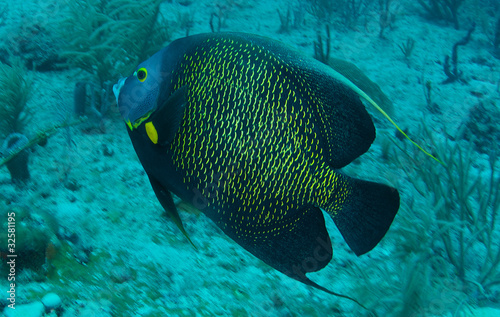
(117, 87)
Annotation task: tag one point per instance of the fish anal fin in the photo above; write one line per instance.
(167, 202)
(298, 244)
(302, 248)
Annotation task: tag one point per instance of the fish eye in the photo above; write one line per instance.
(142, 74)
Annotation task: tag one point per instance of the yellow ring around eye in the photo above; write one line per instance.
(142, 74)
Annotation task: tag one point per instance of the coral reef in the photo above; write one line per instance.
(36, 46)
(28, 35)
(446, 10)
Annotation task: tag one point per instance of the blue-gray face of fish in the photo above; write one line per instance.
(137, 95)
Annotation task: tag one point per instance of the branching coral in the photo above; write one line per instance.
(466, 204)
(454, 74)
(442, 10)
(109, 38)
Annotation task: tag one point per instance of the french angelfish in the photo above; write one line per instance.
(254, 133)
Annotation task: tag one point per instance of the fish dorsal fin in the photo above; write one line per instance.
(376, 106)
(358, 78)
(166, 201)
(341, 78)
(346, 129)
(335, 112)
(296, 58)
(164, 123)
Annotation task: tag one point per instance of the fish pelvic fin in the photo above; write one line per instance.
(167, 202)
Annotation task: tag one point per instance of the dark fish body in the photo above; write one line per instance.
(253, 134)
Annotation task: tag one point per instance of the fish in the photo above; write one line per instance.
(254, 134)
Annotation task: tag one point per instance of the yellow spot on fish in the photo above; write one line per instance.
(152, 133)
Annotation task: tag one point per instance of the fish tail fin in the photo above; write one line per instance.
(363, 212)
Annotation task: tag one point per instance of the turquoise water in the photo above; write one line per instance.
(89, 228)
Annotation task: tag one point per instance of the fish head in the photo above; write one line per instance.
(137, 95)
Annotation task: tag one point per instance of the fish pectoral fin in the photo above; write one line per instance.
(167, 202)
(167, 119)
(366, 214)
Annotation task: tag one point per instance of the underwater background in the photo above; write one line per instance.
(92, 239)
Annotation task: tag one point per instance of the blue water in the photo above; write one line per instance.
(86, 225)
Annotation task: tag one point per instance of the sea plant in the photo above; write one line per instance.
(15, 91)
(285, 21)
(3, 14)
(321, 9)
(352, 10)
(445, 239)
(108, 38)
(432, 106)
(322, 50)
(185, 21)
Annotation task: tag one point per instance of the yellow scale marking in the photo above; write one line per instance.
(285, 156)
